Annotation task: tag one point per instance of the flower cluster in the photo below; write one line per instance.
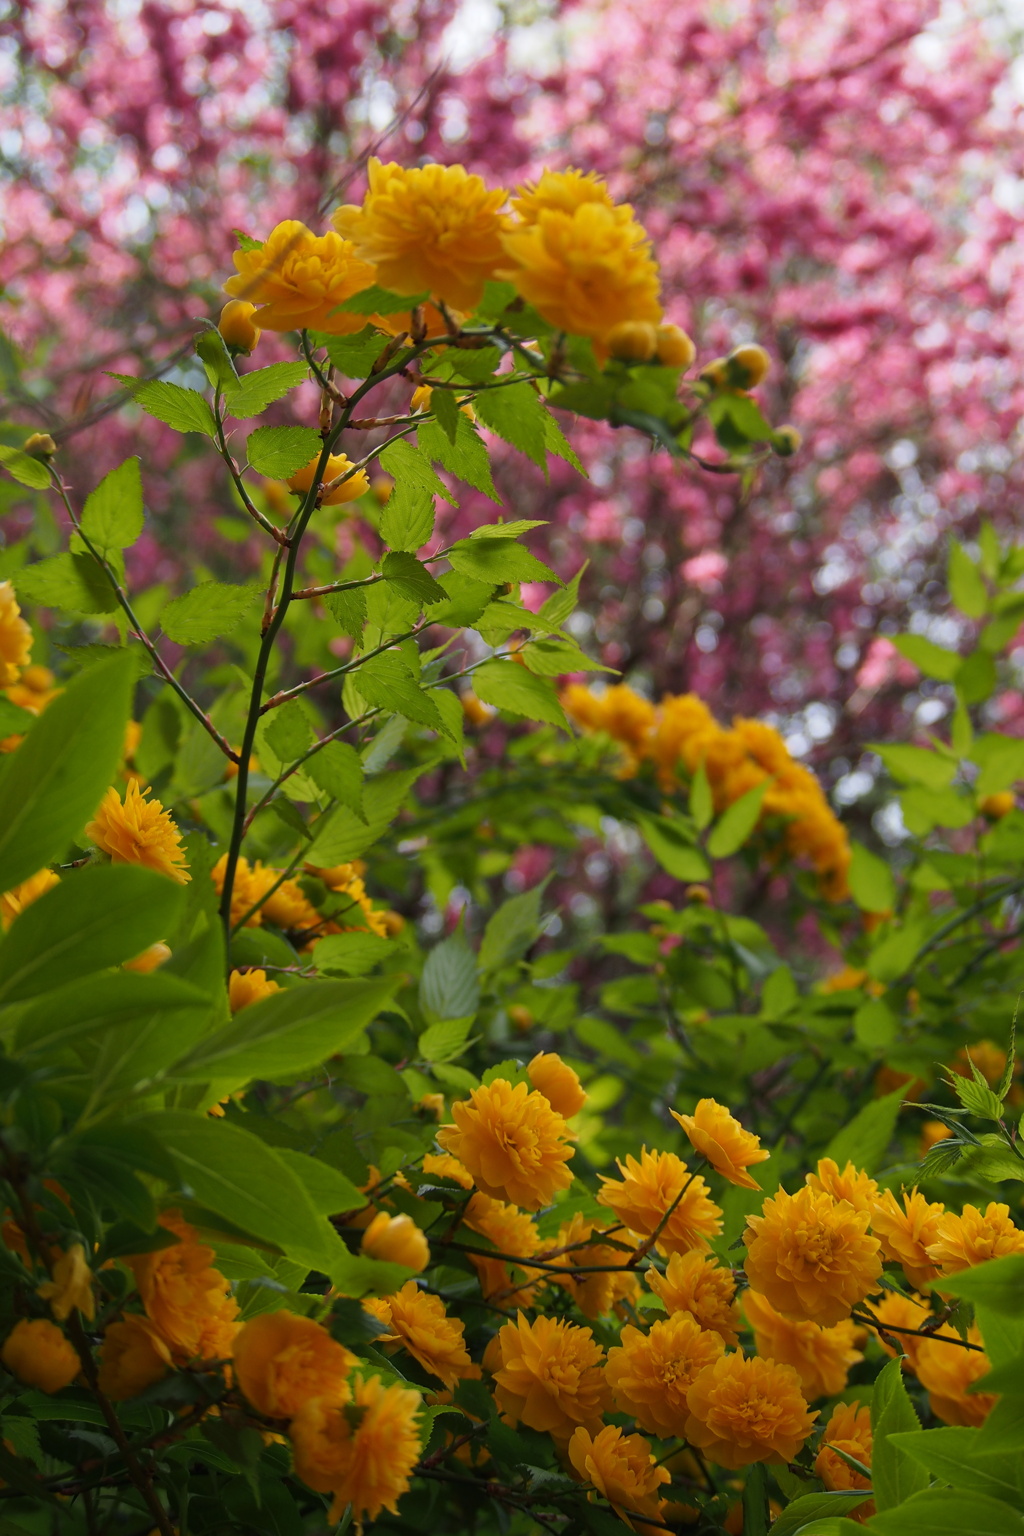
(681, 735)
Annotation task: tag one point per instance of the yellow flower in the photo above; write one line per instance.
(901, 1313)
(513, 1143)
(433, 229)
(188, 1301)
(973, 1237)
(71, 1286)
(282, 1360)
(632, 341)
(695, 1282)
(251, 883)
(622, 1469)
(851, 1185)
(237, 327)
(565, 191)
(716, 1135)
(594, 1291)
(511, 1231)
(812, 1256)
(647, 1190)
(14, 902)
(746, 1410)
(139, 831)
(442, 1165)
(337, 464)
(15, 637)
(586, 271)
(559, 1084)
(132, 1357)
(849, 1430)
(33, 691)
(675, 348)
(246, 987)
(650, 1373)
(624, 715)
(419, 1323)
(39, 1355)
(298, 279)
(906, 1232)
(432, 1104)
(346, 880)
(821, 1357)
(945, 1369)
(551, 1377)
(150, 959)
(363, 1452)
(398, 1239)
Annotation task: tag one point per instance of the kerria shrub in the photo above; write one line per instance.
(312, 1223)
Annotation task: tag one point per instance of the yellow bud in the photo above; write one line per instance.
(40, 445)
(715, 373)
(337, 464)
(520, 1018)
(786, 441)
(995, 807)
(421, 396)
(748, 366)
(632, 341)
(698, 894)
(674, 348)
(237, 327)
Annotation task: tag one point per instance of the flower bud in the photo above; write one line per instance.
(337, 464)
(632, 341)
(674, 348)
(699, 895)
(398, 1239)
(520, 1018)
(715, 373)
(394, 924)
(39, 1355)
(237, 327)
(995, 807)
(748, 366)
(786, 441)
(420, 398)
(40, 445)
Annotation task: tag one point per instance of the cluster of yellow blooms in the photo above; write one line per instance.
(680, 735)
(30, 687)
(812, 1258)
(581, 260)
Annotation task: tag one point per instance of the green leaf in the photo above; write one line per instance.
(951, 1455)
(976, 679)
(212, 609)
(350, 954)
(966, 585)
(467, 600)
(186, 410)
(74, 583)
(896, 953)
(407, 463)
(24, 468)
(329, 1190)
(866, 1139)
(348, 610)
(997, 1284)
(407, 520)
(931, 659)
(449, 988)
(554, 658)
(387, 681)
(917, 765)
(815, 1506)
(516, 414)
(556, 442)
(937, 1512)
(737, 420)
(511, 929)
(673, 848)
(217, 361)
(288, 1032)
(465, 455)
(446, 412)
(337, 770)
(411, 578)
(381, 301)
(871, 881)
(238, 1176)
(875, 1026)
(56, 779)
(1003, 767)
(445, 1041)
(894, 1477)
(112, 516)
(510, 530)
(556, 609)
(282, 451)
(737, 823)
(288, 732)
(344, 835)
(92, 1004)
(498, 560)
(14, 720)
(510, 687)
(93, 919)
(256, 390)
(354, 356)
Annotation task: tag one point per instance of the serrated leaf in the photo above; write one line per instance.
(288, 733)
(216, 359)
(186, 410)
(247, 242)
(465, 456)
(406, 463)
(411, 578)
(515, 413)
(381, 301)
(74, 583)
(554, 658)
(388, 682)
(557, 443)
(446, 412)
(933, 660)
(510, 530)
(24, 468)
(258, 389)
(337, 770)
(673, 848)
(354, 356)
(518, 692)
(112, 515)
(467, 600)
(559, 606)
(348, 609)
(351, 954)
(498, 560)
(212, 609)
(282, 451)
(407, 520)
(511, 929)
(894, 1476)
(737, 823)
